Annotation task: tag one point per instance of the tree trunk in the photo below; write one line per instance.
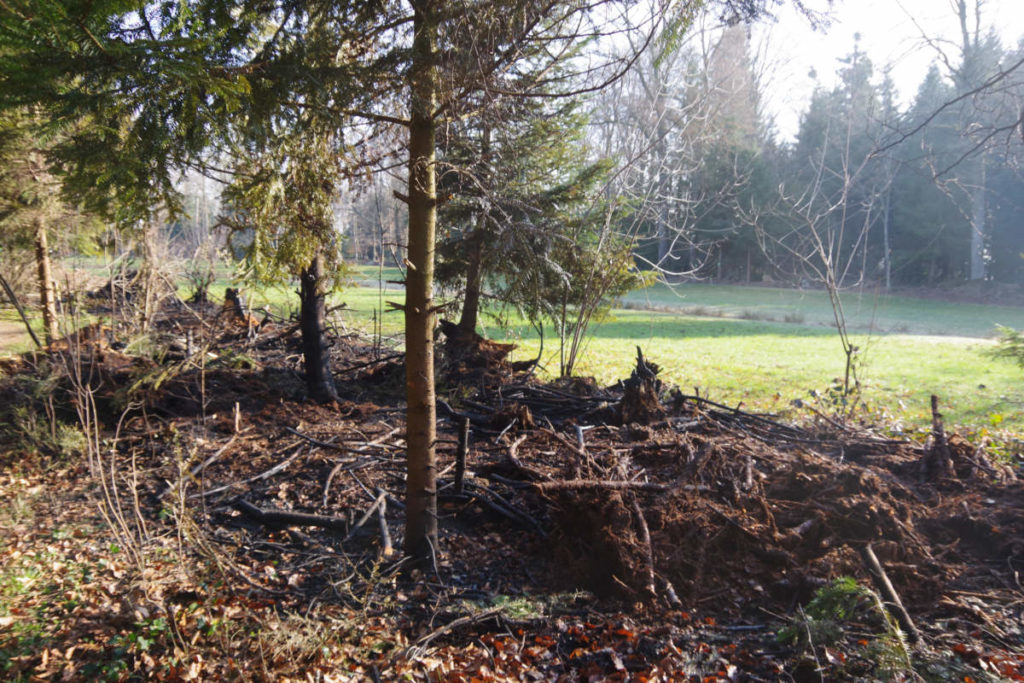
(47, 296)
(474, 280)
(979, 227)
(421, 481)
(475, 253)
(319, 380)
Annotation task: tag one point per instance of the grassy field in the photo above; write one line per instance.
(735, 345)
(870, 312)
(767, 364)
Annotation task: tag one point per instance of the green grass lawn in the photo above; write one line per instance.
(865, 311)
(767, 364)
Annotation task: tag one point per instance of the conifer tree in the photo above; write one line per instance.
(519, 176)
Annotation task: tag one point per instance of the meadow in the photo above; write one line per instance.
(734, 343)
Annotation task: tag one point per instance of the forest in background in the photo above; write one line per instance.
(919, 196)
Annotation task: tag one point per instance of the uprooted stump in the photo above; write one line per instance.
(472, 350)
(640, 401)
(724, 511)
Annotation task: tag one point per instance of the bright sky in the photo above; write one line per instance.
(890, 33)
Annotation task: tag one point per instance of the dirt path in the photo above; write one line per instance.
(12, 336)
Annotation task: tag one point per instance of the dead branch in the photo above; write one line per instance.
(385, 536)
(359, 366)
(645, 538)
(498, 504)
(885, 587)
(457, 623)
(281, 518)
(513, 459)
(585, 484)
(938, 460)
(380, 500)
(262, 475)
(460, 455)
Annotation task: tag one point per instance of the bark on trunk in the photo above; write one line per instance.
(475, 247)
(474, 282)
(313, 311)
(421, 482)
(979, 225)
(47, 296)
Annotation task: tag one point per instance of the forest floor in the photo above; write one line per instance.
(185, 514)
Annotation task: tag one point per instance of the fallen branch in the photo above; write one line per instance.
(262, 475)
(385, 536)
(885, 587)
(584, 484)
(281, 518)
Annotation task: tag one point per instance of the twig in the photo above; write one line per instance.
(263, 475)
(612, 485)
(460, 455)
(884, 586)
(192, 473)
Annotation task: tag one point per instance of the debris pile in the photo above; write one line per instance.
(648, 498)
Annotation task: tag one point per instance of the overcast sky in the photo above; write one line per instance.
(890, 33)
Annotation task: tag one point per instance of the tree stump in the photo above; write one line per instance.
(641, 403)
